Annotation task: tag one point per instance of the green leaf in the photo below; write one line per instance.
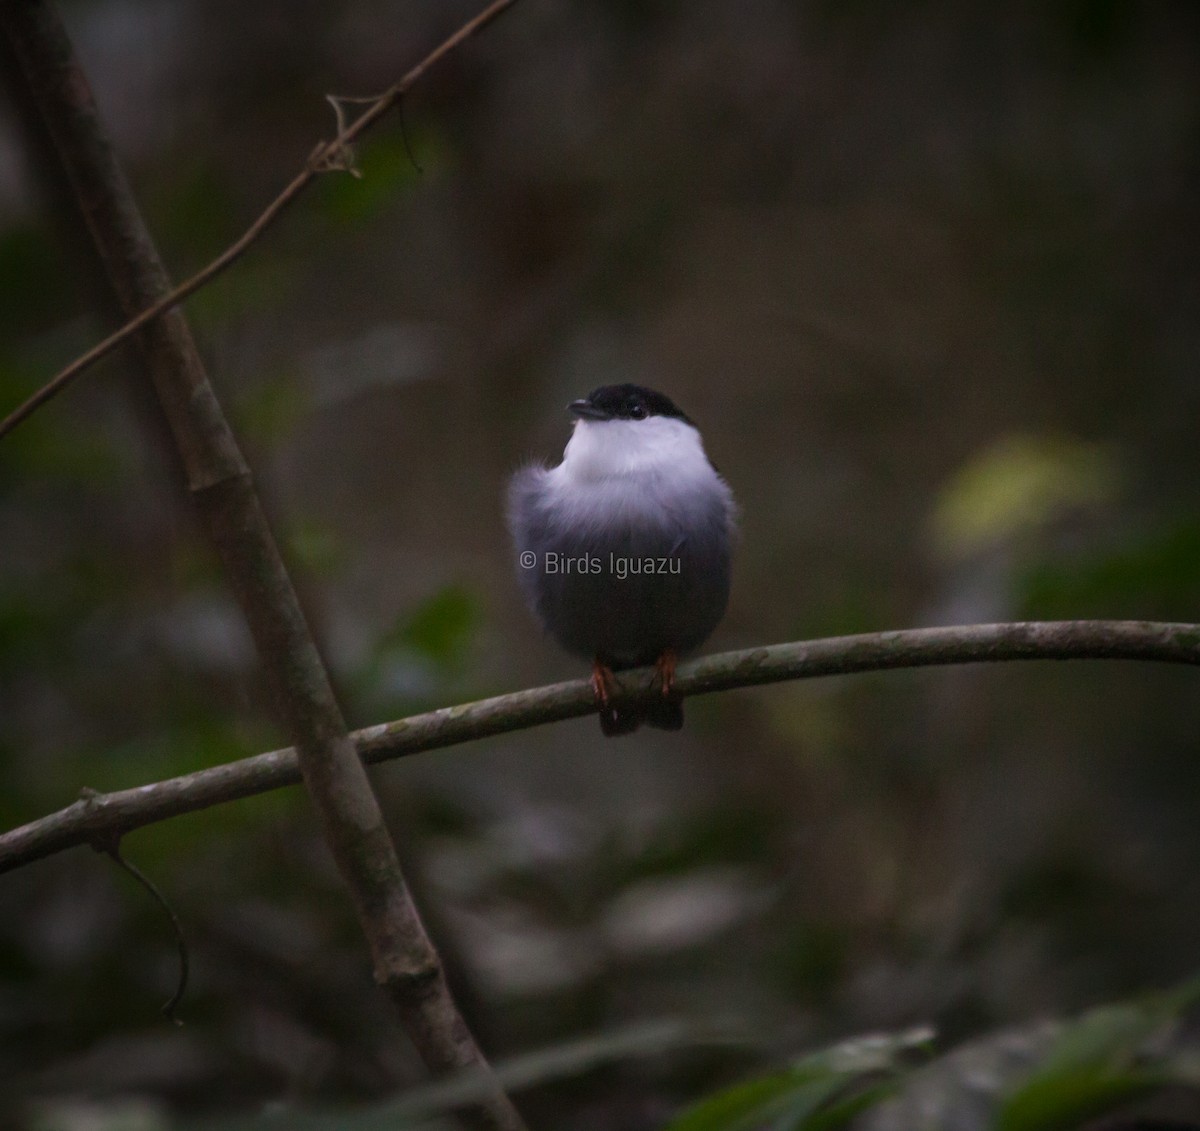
(1064, 1099)
(842, 1111)
(1095, 1064)
(817, 1093)
(739, 1107)
(1020, 484)
(1101, 1036)
(813, 1106)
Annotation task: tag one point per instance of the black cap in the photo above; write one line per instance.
(626, 402)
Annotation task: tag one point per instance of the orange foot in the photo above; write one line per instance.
(604, 684)
(664, 666)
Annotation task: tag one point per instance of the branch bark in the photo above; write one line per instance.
(328, 155)
(405, 962)
(100, 815)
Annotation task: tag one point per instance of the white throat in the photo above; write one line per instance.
(615, 449)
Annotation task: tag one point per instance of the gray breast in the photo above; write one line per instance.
(624, 589)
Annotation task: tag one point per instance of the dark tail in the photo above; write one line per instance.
(664, 712)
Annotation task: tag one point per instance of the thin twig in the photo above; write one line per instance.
(108, 841)
(125, 810)
(322, 158)
(172, 1003)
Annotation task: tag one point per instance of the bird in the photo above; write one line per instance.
(625, 547)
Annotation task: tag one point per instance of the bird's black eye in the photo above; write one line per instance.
(636, 410)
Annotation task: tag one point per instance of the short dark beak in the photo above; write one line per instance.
(587, 410)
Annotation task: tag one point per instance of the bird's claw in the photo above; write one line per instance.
(604, 684)
(664, 668)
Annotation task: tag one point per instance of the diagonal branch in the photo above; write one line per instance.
(327, 156)
(406, 964)
(101, 815)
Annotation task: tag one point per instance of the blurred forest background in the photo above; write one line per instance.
(920, 272)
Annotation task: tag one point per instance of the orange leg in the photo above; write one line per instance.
(665, 667)
(604, 683)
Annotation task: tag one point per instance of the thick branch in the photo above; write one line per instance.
(101, 815)
(327, 155)
(406, 964)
